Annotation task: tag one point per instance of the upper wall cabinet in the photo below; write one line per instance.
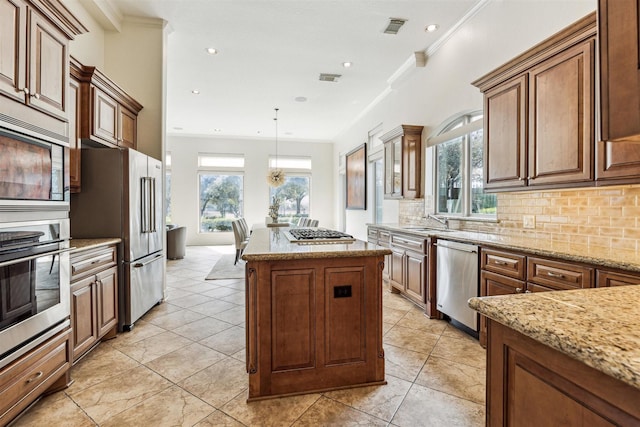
(403, 162)
(619, 32)
(539, 114)
(108, 115)
(34, 67)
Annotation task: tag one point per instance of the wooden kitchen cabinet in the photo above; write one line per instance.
(75, 144)
(403, 162)
(619, 35)
(539, 114)
(408, 273)
(505, 272)
(108, 115)
(94, 297)
(381, 238)
(34, 66)
(45, 368)
(529, 383)
(619, 31)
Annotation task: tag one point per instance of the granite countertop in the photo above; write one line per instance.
(599, 327)
(270, 244)
(595, 255)
(82, 244)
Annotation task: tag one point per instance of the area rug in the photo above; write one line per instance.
(224, 269)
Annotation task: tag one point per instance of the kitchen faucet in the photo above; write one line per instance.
(443, 221)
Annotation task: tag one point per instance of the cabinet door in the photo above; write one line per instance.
(49, 67)
(619, 31)
(411, 166)
(128, 128)
(83, 316)
(506, 134)
(105, 116)
(492, 284)
(107, 300)
(561, 117)
(13, 24)
(388, 169)
(416, 276)
(74, 136)
(396, 270)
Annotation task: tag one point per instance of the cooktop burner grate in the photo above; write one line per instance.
(318, 235)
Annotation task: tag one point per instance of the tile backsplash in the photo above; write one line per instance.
(604, 216)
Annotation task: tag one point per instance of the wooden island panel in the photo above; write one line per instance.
(314, 324)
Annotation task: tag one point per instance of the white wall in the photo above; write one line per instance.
(498, 32)
(184, 180)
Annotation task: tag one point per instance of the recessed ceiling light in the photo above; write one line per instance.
(301, 98)
(177, 128)
(195, 92)
(431, 28)
(288, 133)
(347, 64)
(259, 132)
(217, 130)
(211, 50)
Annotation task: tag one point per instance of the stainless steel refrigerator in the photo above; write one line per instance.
(121, 196)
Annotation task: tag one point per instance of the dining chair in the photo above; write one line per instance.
(241, 239)
(312, 223)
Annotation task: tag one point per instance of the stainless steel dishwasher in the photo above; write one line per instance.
(457, 281)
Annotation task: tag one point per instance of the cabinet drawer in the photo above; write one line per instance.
(558, 275)
(372, 234)
(504, 263)
(90, 261)
(383, 237)
(494, 284)
(24, 379)
(608, 278)
(410, 243)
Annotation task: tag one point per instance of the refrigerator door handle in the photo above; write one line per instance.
(142, 264)
(143, 204)
(153, 227)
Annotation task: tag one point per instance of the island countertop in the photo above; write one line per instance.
(270, 244)
(599, 327)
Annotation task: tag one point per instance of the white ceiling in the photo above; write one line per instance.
(271, 52)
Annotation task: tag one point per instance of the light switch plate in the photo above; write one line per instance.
(528, 221)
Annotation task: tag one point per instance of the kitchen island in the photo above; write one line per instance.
(563, 358)
(313, 315)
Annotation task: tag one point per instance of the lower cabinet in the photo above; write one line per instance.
(408, 273)
(529, 383)
(45, 368)
(505, 272)
(94, 298)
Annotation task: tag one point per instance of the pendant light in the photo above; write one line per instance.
(276, 176)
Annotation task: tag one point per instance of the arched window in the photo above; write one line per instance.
(459, 174)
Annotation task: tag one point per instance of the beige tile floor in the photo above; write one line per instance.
(183, 365)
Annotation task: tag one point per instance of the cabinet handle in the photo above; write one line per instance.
(35, 95)
(520, 178)
(556, 275)
(35, 377)
(500, 263)
(24, 90)
(527, 291)
(518, 290)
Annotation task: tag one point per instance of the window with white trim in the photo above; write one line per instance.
(295, 193)
(221, 191)
(459, 179)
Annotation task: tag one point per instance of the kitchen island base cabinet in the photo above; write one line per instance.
(530, 384)
(313, 325)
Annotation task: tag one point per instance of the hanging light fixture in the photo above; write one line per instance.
(276, 176)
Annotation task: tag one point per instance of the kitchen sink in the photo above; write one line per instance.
(428, 229)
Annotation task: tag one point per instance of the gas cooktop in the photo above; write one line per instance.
(313, 236)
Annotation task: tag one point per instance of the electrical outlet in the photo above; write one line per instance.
(528, 221)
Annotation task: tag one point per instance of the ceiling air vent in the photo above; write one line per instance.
(394, 25)
(325, 77)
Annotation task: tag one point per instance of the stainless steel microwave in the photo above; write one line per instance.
(32, 171)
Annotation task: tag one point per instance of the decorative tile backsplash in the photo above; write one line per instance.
(605, 216)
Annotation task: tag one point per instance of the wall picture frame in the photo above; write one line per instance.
(356, 179)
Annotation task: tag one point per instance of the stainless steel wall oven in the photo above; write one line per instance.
(34, 284)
